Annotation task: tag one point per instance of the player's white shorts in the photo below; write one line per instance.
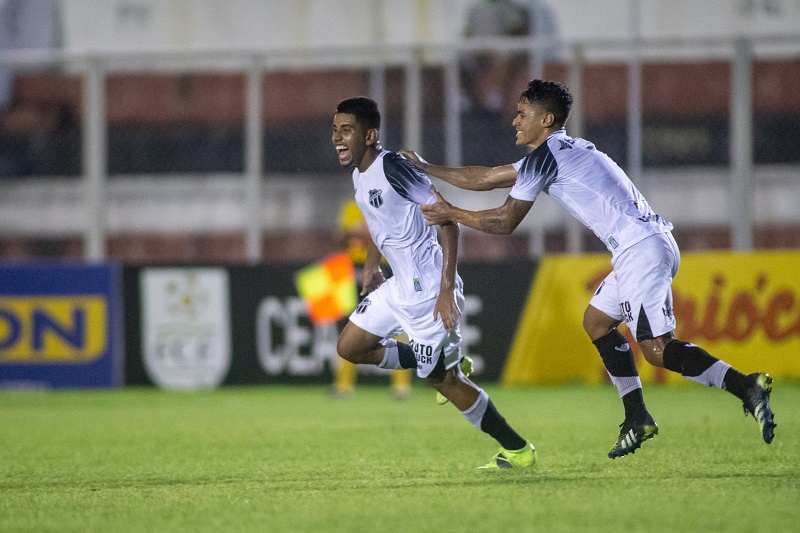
(380, 314)
(639, 289)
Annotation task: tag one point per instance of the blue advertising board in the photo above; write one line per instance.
(60, 326)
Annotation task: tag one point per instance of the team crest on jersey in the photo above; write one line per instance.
(362, 306)
(376, 197)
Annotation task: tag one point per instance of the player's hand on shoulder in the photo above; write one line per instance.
(414, 157)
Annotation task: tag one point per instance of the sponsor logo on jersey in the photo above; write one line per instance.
(417, 285)
(423, 353)
(376, 198)
(627, 315)
(612, 242)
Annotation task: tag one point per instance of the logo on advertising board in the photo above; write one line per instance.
(742, 308)
(52, 329)
(185, 326)
(288, 344)
(60, 326)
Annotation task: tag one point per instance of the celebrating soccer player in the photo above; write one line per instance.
(424, 297)
(644, 255)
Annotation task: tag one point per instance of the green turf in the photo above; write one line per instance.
(293, 459)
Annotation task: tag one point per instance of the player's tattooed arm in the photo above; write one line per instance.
(500, 220)
(504, 219)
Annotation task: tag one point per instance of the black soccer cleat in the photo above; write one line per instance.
(756, 403)
(633, 434)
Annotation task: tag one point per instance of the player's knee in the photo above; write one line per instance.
(653, 349)
(597, 324)
(651, 353)
(592, 328)
(346, 350)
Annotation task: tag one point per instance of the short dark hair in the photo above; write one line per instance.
(364, 109)
(552, 96)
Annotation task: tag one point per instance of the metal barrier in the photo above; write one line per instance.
(420, 89)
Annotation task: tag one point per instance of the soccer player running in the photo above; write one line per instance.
(424, 297)
(644, 255)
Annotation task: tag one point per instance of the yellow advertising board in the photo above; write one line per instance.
(743, 308)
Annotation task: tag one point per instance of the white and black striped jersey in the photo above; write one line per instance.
(592, 187)
(389, 194)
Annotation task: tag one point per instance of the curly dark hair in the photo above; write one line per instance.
(364, 109)
(552, 96)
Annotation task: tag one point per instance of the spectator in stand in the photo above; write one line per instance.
(489, 76)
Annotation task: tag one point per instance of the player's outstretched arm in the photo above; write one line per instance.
(446, 302)
(373, 275)
(500, 220)
(472, 178)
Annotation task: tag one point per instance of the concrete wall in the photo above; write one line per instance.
(278, 24)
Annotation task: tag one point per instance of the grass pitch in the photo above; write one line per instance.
(293, 459)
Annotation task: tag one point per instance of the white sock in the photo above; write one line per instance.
(713, 376)
(625, 385)
(475, 413)
(391, 357)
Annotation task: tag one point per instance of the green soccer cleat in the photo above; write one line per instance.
(522, 458)
(633, 434)
(756, 403)
(466, 368)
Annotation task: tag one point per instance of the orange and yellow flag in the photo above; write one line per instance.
(328, 288)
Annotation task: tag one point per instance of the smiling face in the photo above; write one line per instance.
(355, 144)
(533, 124)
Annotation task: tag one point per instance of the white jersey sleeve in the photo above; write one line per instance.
(407, 180)
(591, 187)
(389, 194)
(534, 174)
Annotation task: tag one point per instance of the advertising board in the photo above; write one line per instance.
(60, 326)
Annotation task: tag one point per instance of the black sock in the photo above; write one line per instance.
(618, 360)
(634, 404)
(405, 354)
(686, 358)
(495, 425)
(736, 383)
(617, 354)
